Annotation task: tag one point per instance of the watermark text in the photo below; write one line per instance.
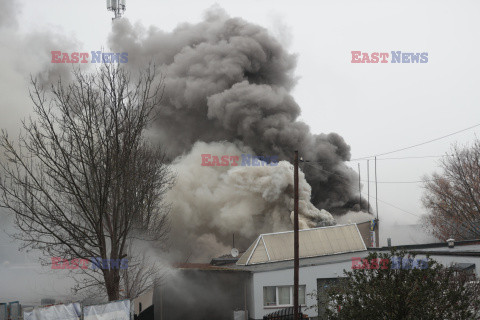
(246, 160)
(85, 57)
(389, 57)
(396, 263)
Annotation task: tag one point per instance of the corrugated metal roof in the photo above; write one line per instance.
(304, 262)
(315, 242)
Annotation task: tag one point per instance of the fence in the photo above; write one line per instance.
(10, 311)
(3, 311)
(15, 310)
(283, 314)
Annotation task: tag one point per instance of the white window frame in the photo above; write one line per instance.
(277, 297)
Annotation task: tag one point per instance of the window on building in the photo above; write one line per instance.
(301, 295)
(282, 296)
(269, 296)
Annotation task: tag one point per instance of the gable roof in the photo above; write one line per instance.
(273, 247)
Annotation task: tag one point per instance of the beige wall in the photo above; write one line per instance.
(364, 228)
(146, 299)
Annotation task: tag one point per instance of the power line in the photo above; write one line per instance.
(398, 208)
(419, 144)
(354, 185)
(396, 158)
(412, 157)
(382, 182)
(394, 182)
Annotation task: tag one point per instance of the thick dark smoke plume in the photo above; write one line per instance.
(229, 80)
(228, 90)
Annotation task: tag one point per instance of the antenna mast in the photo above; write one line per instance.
(117, 6)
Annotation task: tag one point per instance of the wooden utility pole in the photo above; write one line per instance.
(376, 199)
(295, 239)
(376, 187)
(368, 188)
(359, 188)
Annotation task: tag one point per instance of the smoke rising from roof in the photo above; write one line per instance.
(209, 204)
(354, 217)
(228, 83)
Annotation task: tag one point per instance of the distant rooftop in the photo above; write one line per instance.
(461, 248)
(405, 234)
(317, 242)
(224, 260)
(203, 267)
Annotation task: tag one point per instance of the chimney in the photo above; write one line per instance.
(451, 242)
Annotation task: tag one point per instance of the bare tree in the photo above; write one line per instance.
(82, 179)
(453, 197)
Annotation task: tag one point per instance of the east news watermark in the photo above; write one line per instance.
(396, 263)
(92, 57)
(245, 160)
(389, 57)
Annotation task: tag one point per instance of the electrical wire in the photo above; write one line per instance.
(412, 157)
(384, 182)
(357, 188)
(380, 159)
(417, 145)
(395, 182)
(400, 182)
(397, 158)
(406, 148)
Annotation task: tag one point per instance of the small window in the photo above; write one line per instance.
(269, 296)
(282, 295)
(139, 307)
(301, 295)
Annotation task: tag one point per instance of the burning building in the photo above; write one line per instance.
(227, 91)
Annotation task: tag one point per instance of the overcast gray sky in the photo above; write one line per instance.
(377, 108)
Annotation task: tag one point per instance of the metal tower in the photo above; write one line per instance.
(117, 6)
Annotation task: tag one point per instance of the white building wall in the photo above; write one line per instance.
(251, 297)
(310, 274)
(307, 276)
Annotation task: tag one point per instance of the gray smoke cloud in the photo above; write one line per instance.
(8, 14)
(227, 91)
(209, 204)
(229, 81)
(25, 54)
(353, 217)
